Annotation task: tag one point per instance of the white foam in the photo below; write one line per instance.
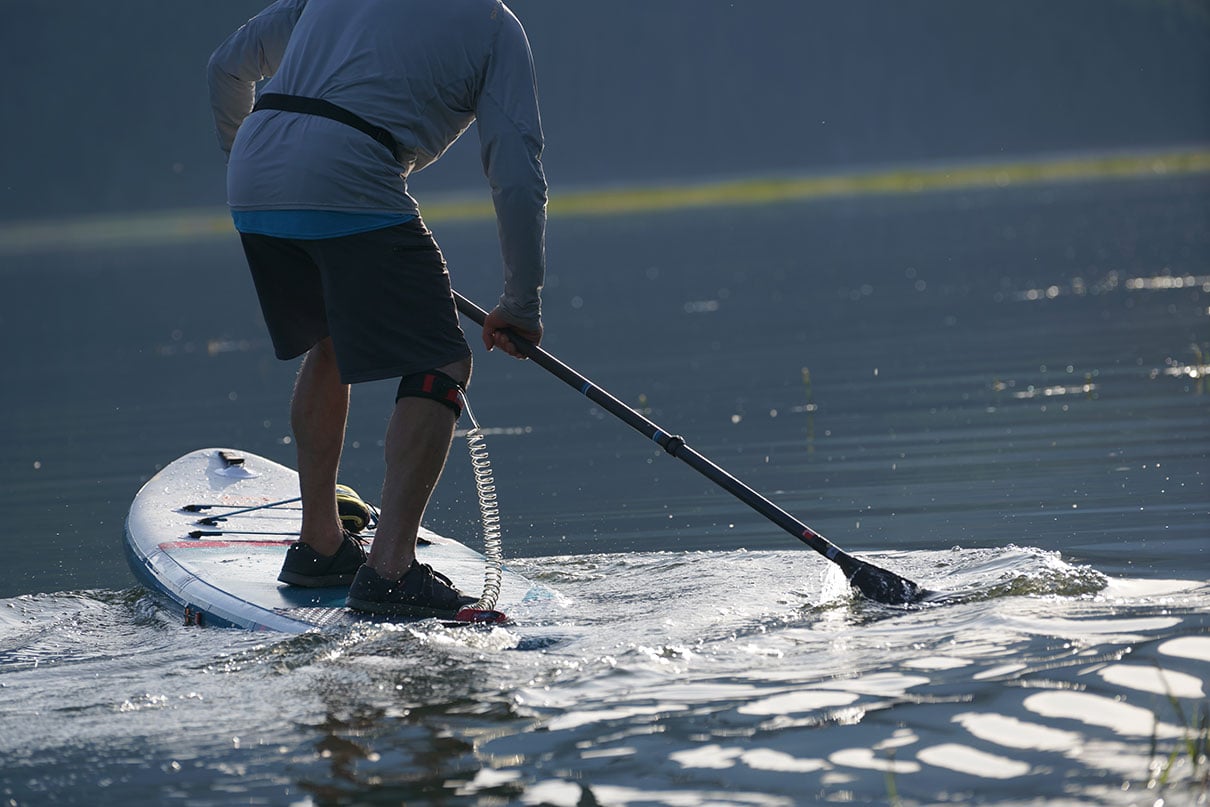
(575, 719)
(1121, 629)
(712, 756)
(1096, 710)
(866, 759)
(1150, 679)
(1194, 647)
(798, 702)
(766, 759)
(1135, 589)
(1013, 733)
(936, 663)
(972, 761)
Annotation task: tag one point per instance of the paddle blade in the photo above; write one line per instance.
(883, 586)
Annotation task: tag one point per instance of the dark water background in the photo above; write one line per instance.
(997, 391)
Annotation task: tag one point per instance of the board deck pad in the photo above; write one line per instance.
(188, 541)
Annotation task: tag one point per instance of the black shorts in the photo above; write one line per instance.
(383, 296)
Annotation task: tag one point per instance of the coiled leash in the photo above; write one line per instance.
(484, 611)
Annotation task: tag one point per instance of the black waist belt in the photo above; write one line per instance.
(326, 109)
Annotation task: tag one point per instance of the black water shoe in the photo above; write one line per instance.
(421, 592)
(306, 567)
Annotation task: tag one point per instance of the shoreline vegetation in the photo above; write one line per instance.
(201, 224)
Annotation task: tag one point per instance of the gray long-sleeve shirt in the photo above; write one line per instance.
(422, 69)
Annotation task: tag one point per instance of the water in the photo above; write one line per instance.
(997, 393)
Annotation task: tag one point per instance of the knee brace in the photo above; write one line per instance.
(434, 385)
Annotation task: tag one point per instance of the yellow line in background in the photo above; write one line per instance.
(184, 226)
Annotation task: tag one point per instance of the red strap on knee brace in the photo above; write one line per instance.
(434, 385)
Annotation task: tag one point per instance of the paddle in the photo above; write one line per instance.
(873, 582)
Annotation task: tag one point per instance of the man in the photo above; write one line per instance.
(360, 95)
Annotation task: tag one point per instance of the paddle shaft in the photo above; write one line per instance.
(675, 446)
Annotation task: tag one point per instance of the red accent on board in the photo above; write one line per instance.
(201, 543)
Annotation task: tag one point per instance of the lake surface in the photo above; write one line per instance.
(999, 393)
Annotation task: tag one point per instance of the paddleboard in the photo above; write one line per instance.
(208, 533)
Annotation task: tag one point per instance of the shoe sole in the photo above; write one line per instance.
(399, 609)
(314, 581)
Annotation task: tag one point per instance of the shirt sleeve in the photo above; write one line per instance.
(247, 56)
(510, 139)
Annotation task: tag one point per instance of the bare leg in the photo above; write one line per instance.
(417, 444)
(318, 413)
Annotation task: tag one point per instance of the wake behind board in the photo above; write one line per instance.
(193, 541)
